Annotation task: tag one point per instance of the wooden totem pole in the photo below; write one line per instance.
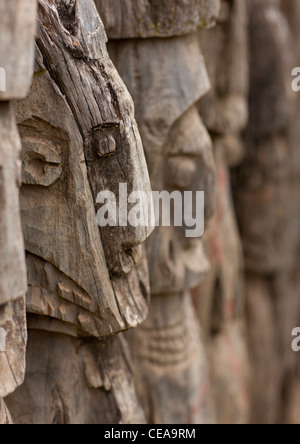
(265, 207)
(291, 401)
(155, 47)
(86, 284)
(17, 29)
(220, 297)
(285, 285)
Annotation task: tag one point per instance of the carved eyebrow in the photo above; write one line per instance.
(106, 125)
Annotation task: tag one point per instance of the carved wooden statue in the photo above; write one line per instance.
(166, 77)
(291, 316)
(264, 201)
(17, 28)
(220, 297)
(86, 284)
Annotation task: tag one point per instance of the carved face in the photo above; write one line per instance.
(80, 138)
(178, 147)
(225, 109)
(187, 165)
(264, 188)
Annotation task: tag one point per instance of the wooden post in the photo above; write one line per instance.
(17, 29)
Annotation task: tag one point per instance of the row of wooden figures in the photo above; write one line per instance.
(119, 324)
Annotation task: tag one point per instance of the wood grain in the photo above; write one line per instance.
(125, 19)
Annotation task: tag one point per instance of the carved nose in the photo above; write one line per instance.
(129, 182)
(124, 249)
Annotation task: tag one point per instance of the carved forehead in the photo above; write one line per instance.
(165, 80)
(156, 18)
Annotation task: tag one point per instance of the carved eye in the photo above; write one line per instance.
(102, 140)
(42, 162)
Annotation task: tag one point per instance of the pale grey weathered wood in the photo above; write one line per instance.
(95, 108)
(173, 70)
(167, 77)
(12, 268)
(13, 338)
(220, 297)
(75, 381)
(156, 18)
(265, 203)
(85, 283)
(170, 364)
(17, 31)
(5, 417)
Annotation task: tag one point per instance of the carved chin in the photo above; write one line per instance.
(196, 263)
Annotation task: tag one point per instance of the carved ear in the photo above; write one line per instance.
(42, 152)
(42, 162)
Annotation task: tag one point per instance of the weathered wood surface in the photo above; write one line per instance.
(269, 35)
(177, 145)
(288, 290)
(264, 350)
(125, 19)
(225, 108)
(79, 137)
(179, 156)
(220, 298)
(231, 374)
(13, 340)
(5, 417)
(12, 265)
(263, 189)
(77, 108)
(265, 197)
(189, 360)
(171, 69)
(76, 381)
(17, 30)
(170, 364)
(263, 186)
